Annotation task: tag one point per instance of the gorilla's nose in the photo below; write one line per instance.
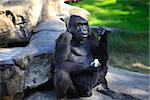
(84, 31)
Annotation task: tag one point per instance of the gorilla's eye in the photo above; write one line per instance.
(82, 24)
(79, 24)
(85, 24)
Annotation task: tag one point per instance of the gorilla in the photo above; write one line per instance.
(80, 60)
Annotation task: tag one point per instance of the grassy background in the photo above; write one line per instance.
(129, 49)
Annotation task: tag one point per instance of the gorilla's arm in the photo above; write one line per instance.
(100, 48)
(62, 48)
(100, 52)
(78, 69)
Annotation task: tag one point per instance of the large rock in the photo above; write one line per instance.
(29, 66)
(18, 17)
(37, 22)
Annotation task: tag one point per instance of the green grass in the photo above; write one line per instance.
(129, 49)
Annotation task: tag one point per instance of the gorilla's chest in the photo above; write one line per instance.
(81, 54)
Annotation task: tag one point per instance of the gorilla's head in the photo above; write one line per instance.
(79, 28)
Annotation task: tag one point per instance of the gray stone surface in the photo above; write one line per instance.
(128, 82)
(6, 54)
(119, 80)
(30, 66)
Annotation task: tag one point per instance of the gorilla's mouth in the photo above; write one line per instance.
(84, 35)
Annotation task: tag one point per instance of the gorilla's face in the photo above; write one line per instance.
(79, 28)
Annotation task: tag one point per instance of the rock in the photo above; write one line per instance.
(12, 79)
(30, 66)
(18, 17)
(124, 85)
(37, 22)
(46, 95)
(43, 45)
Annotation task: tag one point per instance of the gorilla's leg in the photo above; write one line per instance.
(83, 85)
(63, 84)
(104, 84)
(102, 78)
(72, 93)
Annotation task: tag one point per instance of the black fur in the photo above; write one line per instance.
(75, 50)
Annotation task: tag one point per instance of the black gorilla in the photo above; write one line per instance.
(76, 48)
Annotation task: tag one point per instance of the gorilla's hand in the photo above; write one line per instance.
(100, 31)
(95, 63)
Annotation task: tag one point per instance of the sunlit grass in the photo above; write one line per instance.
(105, 2)
(129, 48)
(135, 11)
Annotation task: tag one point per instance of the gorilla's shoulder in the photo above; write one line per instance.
(66, 34)
(65, 37)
